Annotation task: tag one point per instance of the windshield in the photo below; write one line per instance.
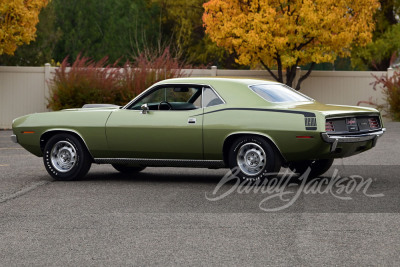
(277, 93)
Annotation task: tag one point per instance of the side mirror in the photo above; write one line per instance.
(145, 108)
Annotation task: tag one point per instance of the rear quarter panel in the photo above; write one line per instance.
(280, 127)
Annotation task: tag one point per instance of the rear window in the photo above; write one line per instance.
(278, 93)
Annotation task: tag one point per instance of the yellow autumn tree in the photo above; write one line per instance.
(284, 34)
(18, 19)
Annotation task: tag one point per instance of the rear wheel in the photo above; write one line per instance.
(318, 167)
(127, 169)
(65, 158)
(252, 158)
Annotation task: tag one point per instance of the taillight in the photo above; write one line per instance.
(373, 123)
(329, 126)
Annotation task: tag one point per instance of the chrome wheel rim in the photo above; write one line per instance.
(63, 156)
(251, 159)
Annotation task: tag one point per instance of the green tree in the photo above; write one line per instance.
(121, 29)
(377, 55)
(181, 20)
(114, 28)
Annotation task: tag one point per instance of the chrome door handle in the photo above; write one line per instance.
(192, 120)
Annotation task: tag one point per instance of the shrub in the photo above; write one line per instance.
(390, 87)
(84, 82)
(87, 81)
(150, 67)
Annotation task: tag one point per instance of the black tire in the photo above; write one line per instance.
(127, 169)
(65, 158)
(253, 159)
(318, 167)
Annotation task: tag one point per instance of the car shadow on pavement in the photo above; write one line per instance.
(156, 177)
(160, 175)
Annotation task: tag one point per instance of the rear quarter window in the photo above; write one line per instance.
(278, 93)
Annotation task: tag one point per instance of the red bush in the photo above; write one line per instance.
(151, 67)
(88, 82)
(390, 87)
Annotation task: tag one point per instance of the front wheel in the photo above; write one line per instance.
(318, 167)
(65, 158)
(252, 158)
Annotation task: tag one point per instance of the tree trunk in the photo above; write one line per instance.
(305, 76)
(290, 74)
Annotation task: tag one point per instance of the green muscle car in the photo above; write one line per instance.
(251, 126)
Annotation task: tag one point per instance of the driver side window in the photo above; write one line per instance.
(171, 98)
(155, 97)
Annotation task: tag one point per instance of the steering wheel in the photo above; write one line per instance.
(165, 102)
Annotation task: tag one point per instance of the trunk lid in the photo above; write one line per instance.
(329, 110)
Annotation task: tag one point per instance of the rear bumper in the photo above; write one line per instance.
(338, 139)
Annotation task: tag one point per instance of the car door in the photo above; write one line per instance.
(159, 132)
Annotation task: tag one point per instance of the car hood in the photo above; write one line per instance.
(328, 109)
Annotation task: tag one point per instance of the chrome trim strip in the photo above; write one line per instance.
(193, 163)
(14, 138)
(351, 138)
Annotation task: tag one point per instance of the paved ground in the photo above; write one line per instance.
(163, 217)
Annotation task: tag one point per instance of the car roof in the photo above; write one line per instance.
(234, 90)
(212, 80)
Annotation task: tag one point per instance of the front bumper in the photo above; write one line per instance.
(14, 138)
(337, 139)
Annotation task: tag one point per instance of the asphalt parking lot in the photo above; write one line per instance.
(172, 216)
